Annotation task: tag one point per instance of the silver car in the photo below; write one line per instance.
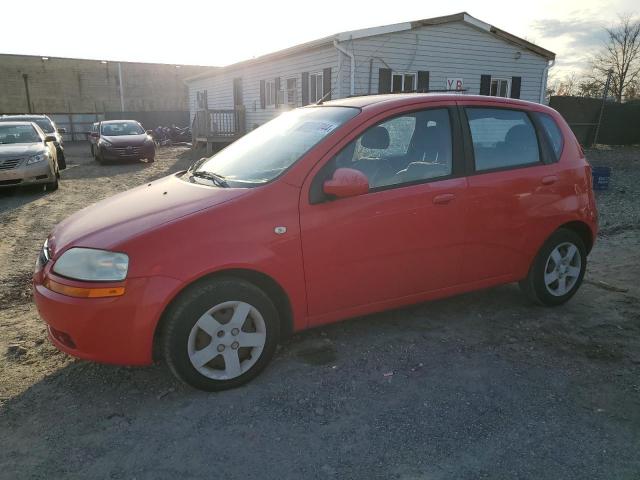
(27, 156)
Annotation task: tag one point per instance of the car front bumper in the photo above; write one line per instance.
(23, 174)
(116, 330)
(125, 153)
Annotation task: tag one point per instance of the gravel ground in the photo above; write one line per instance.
(483, 385)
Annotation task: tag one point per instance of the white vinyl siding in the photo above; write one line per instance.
(220, 84)
(453, 50)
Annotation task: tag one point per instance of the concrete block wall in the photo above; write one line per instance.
(59, 85)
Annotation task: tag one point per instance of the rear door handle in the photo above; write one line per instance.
(443, 198)
(551, 179)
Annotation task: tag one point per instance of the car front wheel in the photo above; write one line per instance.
(220, 334)
(558, 269)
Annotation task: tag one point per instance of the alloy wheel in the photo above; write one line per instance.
(227, 340)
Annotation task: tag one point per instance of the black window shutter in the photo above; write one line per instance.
(305, 88)
(423, 81)
(515, 87)
(326, 83)
(263, 100)
(276, 83)
(384, 80)
(485, 84)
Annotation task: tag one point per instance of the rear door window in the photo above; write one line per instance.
(502, 138)
(553, 133)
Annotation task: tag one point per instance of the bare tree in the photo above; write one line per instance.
(621, 53)
(563, 86)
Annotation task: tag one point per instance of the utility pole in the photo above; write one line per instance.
(604, 99)
(121, 88)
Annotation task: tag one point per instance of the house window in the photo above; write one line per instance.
(315, 87)
(270, 92)
(499, 87)
(292, 90)
(403, 82)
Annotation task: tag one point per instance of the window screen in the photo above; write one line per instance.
(502, 138)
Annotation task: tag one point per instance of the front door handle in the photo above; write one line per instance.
(549, 180)
(443, 198)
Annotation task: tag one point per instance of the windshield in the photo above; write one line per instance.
(121, 128)
(18, 134)
(44, 123)
(267, 151)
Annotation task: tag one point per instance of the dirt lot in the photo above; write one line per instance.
(479, 386)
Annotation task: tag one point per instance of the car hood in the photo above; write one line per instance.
(125, 140)
(113, 221)
(13, 150)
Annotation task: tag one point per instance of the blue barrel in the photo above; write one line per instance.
(601, 177)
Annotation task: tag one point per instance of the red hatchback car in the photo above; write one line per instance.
(327, 212)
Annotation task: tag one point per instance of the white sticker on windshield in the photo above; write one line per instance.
(312, 126)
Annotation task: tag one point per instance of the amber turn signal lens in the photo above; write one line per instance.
(83, 292)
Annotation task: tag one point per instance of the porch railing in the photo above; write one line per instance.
(219, 125)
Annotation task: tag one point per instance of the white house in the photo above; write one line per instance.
(455, 52)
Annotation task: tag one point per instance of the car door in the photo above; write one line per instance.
(510, 183)
(403, 237)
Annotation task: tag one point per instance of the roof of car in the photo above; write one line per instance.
(118, 121)
(16, 123)
(408, 98)
(30, 115)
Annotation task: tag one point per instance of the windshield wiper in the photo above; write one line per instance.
(219, 180)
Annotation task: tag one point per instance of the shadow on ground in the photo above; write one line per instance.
(479, 386)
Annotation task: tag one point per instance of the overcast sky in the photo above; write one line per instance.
(223, 32)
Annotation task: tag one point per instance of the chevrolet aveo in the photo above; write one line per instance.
(327, 212)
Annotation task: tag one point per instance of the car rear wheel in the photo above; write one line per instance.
(558, 270)
(220, 334)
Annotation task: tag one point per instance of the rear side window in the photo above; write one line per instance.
(502, 138)
(552, 131)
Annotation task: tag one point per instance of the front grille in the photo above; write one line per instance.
(9, 163)
(128, 151)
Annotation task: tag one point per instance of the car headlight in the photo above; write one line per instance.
(41, 157)
(105, 143)
(92, 265)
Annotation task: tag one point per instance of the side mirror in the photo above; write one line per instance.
(50, 138)
(62, 130)
(346, 182)
(149, 132)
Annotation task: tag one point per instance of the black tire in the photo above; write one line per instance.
(93, 153)
(52, 186)
(535, 287)
(196, 300)
(151, 159)
(62, 162)
(98, 157)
